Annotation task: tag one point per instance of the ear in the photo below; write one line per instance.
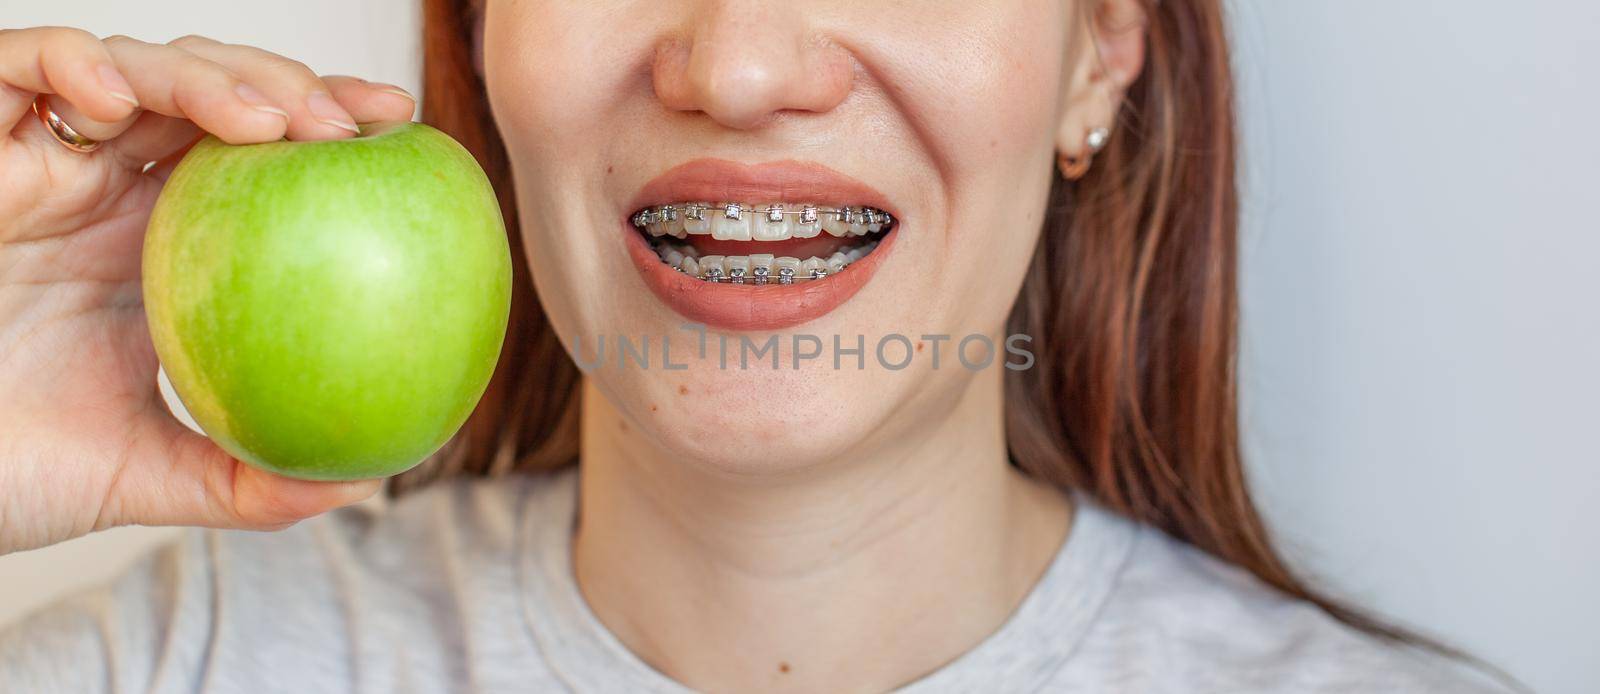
(1107, 57)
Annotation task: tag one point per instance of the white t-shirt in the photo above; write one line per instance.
(467, 586)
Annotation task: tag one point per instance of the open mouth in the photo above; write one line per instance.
(763, 246)
(763, 243)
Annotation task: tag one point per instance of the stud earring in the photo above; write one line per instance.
(1074, 167)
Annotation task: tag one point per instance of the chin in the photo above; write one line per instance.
(758, 421)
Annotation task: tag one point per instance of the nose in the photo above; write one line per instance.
(740, 62)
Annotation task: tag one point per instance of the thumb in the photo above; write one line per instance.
(174, 476)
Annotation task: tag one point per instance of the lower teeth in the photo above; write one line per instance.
(758, 269)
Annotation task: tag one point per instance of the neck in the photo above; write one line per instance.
(860, 574)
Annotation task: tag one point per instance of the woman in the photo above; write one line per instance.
(1049, 183)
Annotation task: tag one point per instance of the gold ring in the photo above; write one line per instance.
(59, 129)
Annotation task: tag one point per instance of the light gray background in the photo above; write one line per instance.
(1421, 342)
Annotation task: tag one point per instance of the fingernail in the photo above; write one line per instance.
(361, 489)
(391, 89)
(258, 101)
(329, 111)
(116, 85)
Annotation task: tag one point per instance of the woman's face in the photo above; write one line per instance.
(945, 115)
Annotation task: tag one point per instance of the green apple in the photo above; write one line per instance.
(329, 310)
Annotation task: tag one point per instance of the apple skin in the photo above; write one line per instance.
(329, 310)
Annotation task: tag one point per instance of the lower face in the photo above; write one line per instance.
(908, 207)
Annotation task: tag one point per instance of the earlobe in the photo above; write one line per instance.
(1073, 167)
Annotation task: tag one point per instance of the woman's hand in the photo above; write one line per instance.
(85, 441)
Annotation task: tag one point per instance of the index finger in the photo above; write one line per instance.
(71, 63)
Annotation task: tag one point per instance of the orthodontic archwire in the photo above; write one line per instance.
(807, 214)
(760, 275)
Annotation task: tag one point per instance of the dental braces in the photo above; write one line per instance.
(807, 214)
(760, 275)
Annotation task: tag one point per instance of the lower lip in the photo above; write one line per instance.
(752, 307)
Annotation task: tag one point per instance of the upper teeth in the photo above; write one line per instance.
(736, 221)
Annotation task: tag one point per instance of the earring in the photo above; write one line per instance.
(1074, 168)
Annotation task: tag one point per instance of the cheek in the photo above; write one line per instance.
(554, 90)
(989, 96)
(988, 107)
(549, 79)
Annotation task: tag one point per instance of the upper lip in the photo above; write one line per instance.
(787, 181)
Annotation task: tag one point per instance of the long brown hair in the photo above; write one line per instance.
(1132, 298)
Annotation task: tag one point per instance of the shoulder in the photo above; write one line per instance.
(1179, 619)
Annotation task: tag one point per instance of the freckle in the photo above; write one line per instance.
(652, 408)
(683, 390)
(920, 345)
(621, 425)
(993, 144)
(783, 668)
(608, 169)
